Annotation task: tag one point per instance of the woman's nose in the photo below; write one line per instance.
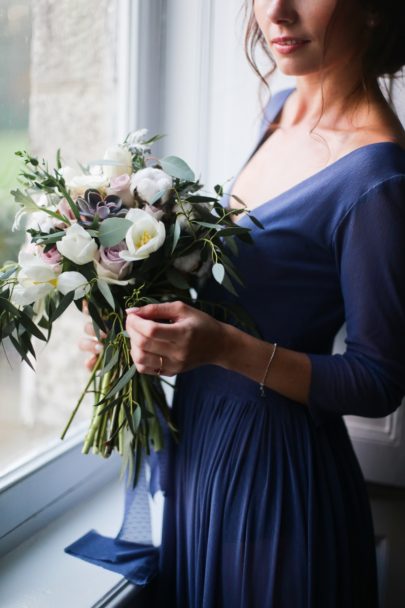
(282, 11)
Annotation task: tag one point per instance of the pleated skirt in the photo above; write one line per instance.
(263, 508)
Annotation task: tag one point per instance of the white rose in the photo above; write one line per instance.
(123, 159)
(77, 245)
(73, 281)
(145, 236)
(149, 182)
(80, 183)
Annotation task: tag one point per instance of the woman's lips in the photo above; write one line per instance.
(285, 46)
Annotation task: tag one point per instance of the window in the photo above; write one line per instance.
(64, 84)
(15, 38)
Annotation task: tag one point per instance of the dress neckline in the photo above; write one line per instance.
(308, 179)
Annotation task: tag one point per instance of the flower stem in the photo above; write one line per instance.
(96, 419)
(73, 414)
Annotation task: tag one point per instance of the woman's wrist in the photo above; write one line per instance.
(240, 352)
(289, 373)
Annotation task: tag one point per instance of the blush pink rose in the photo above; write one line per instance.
(120, 186)
(64, 208)
(52, 256)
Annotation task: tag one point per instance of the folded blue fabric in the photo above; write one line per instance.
(138, 563)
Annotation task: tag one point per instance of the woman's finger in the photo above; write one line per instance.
(159, 347)
(91, 346)
(148, 363)
(89, 329)
(169, 332)
(90, 363)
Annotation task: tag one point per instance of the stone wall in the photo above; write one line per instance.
(73, 77)
(72, 107)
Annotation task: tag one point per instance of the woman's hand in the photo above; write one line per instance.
(173, 337)
(91, 344)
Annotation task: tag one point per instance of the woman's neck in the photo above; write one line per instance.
(331, 101)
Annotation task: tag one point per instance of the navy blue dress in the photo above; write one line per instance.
(266, 505)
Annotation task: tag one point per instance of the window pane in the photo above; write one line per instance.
(57, 90)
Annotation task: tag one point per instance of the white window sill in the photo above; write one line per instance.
(38, 574)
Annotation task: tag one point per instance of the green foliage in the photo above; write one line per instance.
(10, 242)
(176, 167)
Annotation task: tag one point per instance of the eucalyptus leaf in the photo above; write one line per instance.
(255, 221)
(157, 196)
(239, 200)
(136, 418)
(233, 230)
(110, 363)
(197, 198)
(245, 237)
(218, 272)
(6, 305)
(176, 167)
(30, 326)
(232, 246)
(53, 237)
(213, 226)
(63, 304)
(113, 230)
(129, 418)
(96, 317)
(231, 270)
(123, 381)
(58, 159)
(106, 292)
(137, 462)
(21, 351)
(8, 273)
(27, 345)
(176, 234)
(229, 287)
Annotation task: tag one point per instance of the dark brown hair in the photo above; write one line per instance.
(385, 55)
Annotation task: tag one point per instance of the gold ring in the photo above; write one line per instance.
(158, 371)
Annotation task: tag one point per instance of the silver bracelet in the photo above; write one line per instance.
(261, 385)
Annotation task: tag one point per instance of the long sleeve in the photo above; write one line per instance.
(369, 245)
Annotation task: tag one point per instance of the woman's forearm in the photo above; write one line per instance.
(290, 371)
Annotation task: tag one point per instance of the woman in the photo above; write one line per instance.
(266, 505)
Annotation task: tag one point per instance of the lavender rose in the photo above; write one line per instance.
(111, 267)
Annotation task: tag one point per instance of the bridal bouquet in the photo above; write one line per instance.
(125, 231)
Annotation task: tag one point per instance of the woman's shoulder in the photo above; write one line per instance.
(369, 180)
(375, 163)
(373, 188)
